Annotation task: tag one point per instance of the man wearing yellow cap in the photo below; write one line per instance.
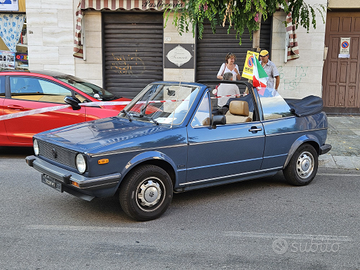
(270, 70)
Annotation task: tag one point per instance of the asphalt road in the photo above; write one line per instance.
(261, 224)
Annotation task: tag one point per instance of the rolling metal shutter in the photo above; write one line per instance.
(132, 51)
(212, 49)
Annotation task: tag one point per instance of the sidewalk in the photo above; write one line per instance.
(344, 136)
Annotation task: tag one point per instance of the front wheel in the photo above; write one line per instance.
(303, 166)
(146, 193)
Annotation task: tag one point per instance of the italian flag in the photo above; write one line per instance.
(259, 74)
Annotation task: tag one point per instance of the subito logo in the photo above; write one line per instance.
(280, 246)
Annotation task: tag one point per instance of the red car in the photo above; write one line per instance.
(23, 91)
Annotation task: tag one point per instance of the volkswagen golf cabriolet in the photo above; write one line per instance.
(173, 138)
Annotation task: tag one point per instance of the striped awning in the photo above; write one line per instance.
(115, 5)
(292, 48)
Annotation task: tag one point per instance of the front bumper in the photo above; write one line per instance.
(78, 185)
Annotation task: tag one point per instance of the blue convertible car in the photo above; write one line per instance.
(173, 137)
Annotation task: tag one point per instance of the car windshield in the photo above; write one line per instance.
(162, 103)
(88, 88)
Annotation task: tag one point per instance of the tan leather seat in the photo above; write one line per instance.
(206, 121)
(238, 112)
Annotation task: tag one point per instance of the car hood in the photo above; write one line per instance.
(102, 134)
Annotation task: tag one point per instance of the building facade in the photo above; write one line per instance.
(126, 44)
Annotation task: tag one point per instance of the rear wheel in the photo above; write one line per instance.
(146, 193)
(303, 166)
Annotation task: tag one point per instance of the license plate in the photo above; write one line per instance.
(51, 182)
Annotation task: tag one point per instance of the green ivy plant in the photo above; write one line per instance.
(238, 14)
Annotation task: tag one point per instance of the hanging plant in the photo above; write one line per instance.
(239, 14)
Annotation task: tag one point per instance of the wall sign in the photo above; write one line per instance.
(9, 5)
(249, 64)
(7, 60)
(179, 56)
(344, 48)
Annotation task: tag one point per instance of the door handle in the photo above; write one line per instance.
(16, 107)
(254, 129)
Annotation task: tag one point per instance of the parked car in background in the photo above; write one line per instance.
(183, 142)
(22, 91)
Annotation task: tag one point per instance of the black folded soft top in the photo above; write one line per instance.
(307, 106)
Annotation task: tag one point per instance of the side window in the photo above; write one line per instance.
(53, 92)
(50, 88)
(23, 87)
(202, 115)
(2, 87)
(273, 105)
(37, 90)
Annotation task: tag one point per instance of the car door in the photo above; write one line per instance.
(29, 93)
(216, 154)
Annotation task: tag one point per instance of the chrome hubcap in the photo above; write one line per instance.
(305, 165)
(149, 193)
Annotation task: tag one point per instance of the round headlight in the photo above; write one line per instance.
(36, 147)
(80, 163)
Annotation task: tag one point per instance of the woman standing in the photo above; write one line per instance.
(229, 66)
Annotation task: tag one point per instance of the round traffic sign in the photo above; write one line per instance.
(251, 62)
(345, 44)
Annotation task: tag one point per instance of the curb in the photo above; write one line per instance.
(340, 162)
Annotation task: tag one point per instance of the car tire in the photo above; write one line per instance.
(146, 193)
(303, 166)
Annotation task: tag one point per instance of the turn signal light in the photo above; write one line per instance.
(103, 161)
(75, 184)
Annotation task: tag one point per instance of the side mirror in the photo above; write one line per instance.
(218, 120)
(73, 102)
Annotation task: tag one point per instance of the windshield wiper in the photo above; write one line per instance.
(152, 119)
(127, 115)
(143, 108)
(107, 98)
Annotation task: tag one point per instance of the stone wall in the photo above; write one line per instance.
(171, 36)
(50, 27)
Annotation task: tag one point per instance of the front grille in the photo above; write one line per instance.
(58, 154)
